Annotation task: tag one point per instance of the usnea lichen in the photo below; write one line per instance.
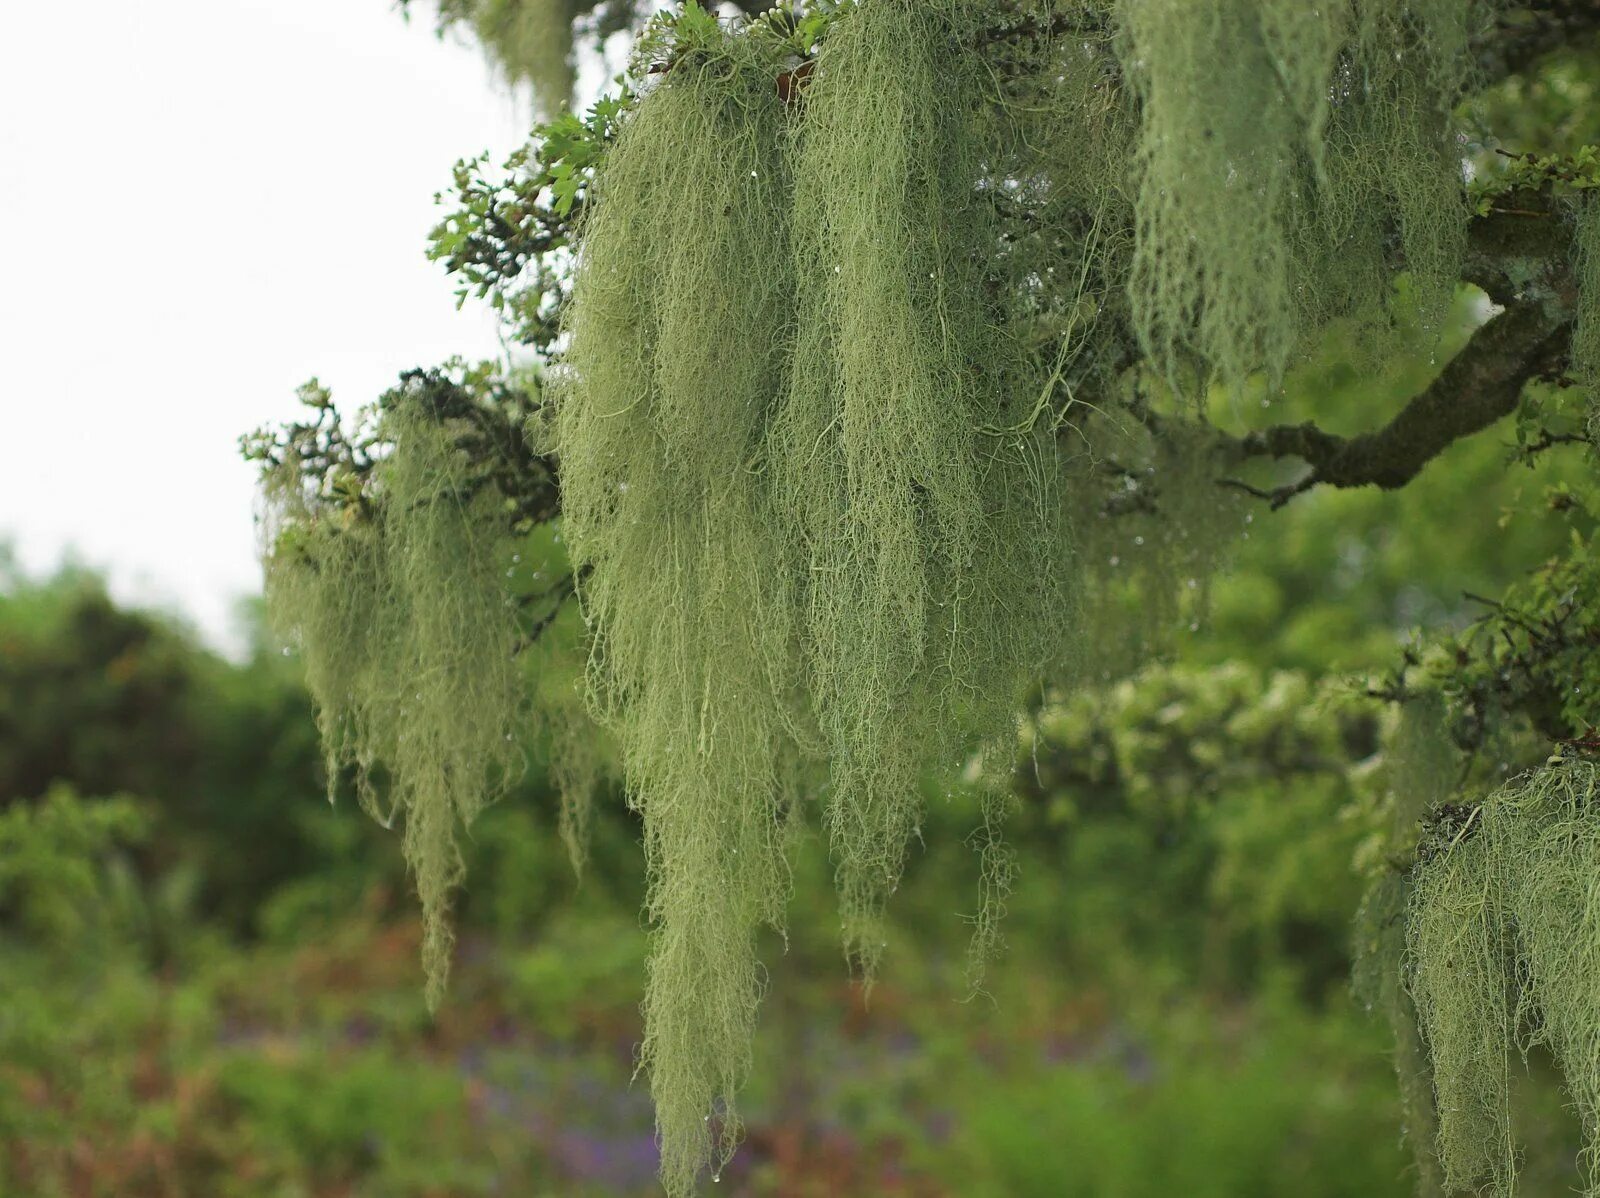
(409, 644)
(802, 544)
(676, 358)
(1147, 555)
(927, 517)
(529, 41)
(1503, 930)
(1378, 981)
(1264, 188)
(1422, 768)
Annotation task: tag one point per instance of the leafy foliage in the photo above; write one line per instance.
(59, 876)
(1530, 658)
(506, 240)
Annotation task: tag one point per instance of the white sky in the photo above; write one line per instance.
(202, 204)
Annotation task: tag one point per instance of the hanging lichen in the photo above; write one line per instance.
(1557, 917)
(997, 873)
(1221, 163)
(581, 761)
(1154, 531)
(1063, 148)
(1379, 984)
(323, 577)
(1422, 769)
(1460, 984)
(926, 509)
(409, 644)
(1504, 935)
(1277, 138)
(1586, 334)
(676, 356)
(530, 41)
(816, 524)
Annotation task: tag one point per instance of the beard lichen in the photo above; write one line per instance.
(1379, 984)
(409, 643)
(1278, 140)
(529, 41)
(926, 513)
(1421, 771)
(821, 544)
(1150, 550)
(1503, 932)
(677, 333)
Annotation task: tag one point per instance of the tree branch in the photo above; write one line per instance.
(1524, 238)
(1520, 255)
(1479, 386)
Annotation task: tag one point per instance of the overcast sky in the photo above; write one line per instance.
(203, 204)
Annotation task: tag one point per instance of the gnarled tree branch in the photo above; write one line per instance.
(1479, 386)
(1519, 255)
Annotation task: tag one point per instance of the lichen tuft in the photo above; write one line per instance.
(409, 641)
(1503, 930)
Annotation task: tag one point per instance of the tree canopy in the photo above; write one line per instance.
(894, 366)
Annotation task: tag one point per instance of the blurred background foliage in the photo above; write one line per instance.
(210, 979)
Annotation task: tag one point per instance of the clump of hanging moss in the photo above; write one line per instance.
(997, 873)
(1278, 139)
(1220, 163)
(409, 640)
(530, 41)
(678, 332)
(323, 575)
(926, 511)
(816, 524)
(1063, 144)
(582, 760)
(1378, 981)
(1503, 930)
(1461, 985)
